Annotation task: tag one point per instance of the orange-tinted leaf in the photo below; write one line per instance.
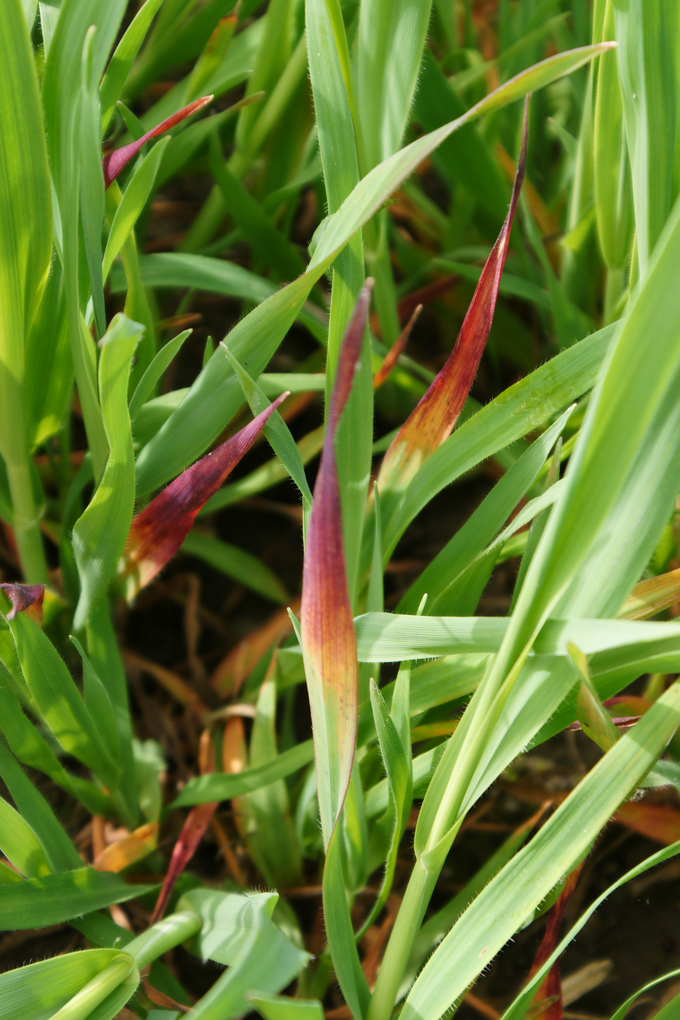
(437, 412)
(651, 596)
(327, 627)
(395, 350)
(23, 597)
(126, 851)
(660, 822)
(159, 530)
(115, 161)
(241, 660)
(548, 998)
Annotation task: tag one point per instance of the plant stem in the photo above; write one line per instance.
(164, 935)
(409, 919)
(26, 526)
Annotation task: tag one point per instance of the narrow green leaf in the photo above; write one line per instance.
(236, 563)
(59, 702)
(510, 897)
(223, 786)
(390, 45)
(38, 990)
(238, 931)
(25, 251)
(441, 575)
(519, 409)
(48, 390)
(648, 73)
(36, 812)
(51, 899)
(61, 88)
(20, 845)
(611, 168)
(154, 372)
(119, 66)
(100, 533)
(133, 201)
(276, 430)
(258, 229)
(281, 1007)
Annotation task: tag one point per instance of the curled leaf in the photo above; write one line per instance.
(159, 530)
(437, 412)
(22, 597)
(115, 161)
(327, 627)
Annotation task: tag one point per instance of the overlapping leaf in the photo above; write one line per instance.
(328, 640)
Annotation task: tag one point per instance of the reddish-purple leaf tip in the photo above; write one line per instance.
(326, 621)
(115, 161)
(23, 596)
(437, 412)
(159, 530)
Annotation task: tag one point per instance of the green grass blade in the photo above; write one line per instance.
(223, 786)
(274, 841)
(133, 201)
(154, 372)
(236, 563)
(390, 44)
(55, 898)
(258, 229)
(521, 408)
(611, 165)
(40, 989)
(61, 91)
(60, 851)
(25, 251)
(511, 896)
(480, 528)
(20, 845)
(48, 391)
(251, 937)
(339, 160)
(276, 430)
(119, 66)
(100, 533)
(280, 1007)
(648, 72)
(59, 702)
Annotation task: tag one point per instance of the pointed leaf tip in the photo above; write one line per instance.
(115, 161)
(349, 357)
(327, 626)
(437, 412)
(396, 349)
(22, 597)
(159, 530)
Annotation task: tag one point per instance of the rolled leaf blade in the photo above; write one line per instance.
(115, 161)
(328, 638)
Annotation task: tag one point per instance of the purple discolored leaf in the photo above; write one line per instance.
(115, 161)
(23, 597)
(159, 530)
(327, 626)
